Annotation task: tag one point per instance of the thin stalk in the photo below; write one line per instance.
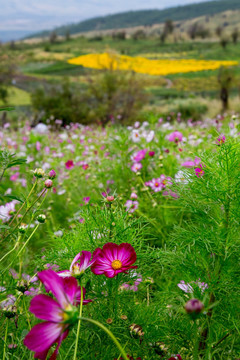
(79, 325)
(27, 314)
(30, 193)
(5, 341)
(195, 349)
(110, 334)
(2, 174)
(22, 248)
(9, 252)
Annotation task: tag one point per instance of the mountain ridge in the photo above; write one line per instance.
(144, 17)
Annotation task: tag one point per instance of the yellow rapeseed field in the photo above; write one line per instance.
(146, 66)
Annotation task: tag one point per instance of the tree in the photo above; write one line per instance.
(224, 42)
(235, 35)
(219, 31)
(67, 35)
(225, 77)
(53, 37)
(168, 27)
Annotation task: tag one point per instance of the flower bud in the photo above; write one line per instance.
(39, 173)
(48, 183)
(22, 228)
(10, 311)
(41, 218)
(110, 198)
(22, 286)
(151, 153)
(159, 348)
(136, 330)
(194, 307)
(52, 174)
(175, 357)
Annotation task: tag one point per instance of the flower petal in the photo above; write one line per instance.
(77, 257)
(46, 308)
(43, 336)
(61, 338)
(70, 288)
(53, 282)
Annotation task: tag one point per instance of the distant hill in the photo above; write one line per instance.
(145, 17)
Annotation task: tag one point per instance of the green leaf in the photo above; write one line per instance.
(14, 197)
(4, 227)
(7, 108)
(16, 162)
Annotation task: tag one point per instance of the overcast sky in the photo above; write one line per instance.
(34, 15)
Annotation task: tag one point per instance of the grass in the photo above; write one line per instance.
(17, 97)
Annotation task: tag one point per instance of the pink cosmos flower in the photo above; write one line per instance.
(136, 167)
(7, 210)
(131, 206)
(80, 263)
(199, 171)
(59, 314)
(38, 146)
(175, 136)
(191, 163)
(133, 195)
(139, 156)
(15, 176)
(221, 139)
(159, 184)
(69, 164)
(188, 289)
(113, 259)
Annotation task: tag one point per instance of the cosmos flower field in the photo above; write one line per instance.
(120, 242)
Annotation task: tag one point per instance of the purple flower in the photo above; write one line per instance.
(199, 171)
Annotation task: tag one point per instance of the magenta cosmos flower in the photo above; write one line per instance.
(113, 259)
(59, 314)
(199, 171)
(175, 136)
(221, 139)
(69, 164)
(80, 263)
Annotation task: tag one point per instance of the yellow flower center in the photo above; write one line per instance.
(116, 264)
(156, 184)
(67, 311)
(75, 270)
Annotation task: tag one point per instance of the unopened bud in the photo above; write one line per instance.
(10, 311)
(22, 228)
(52, 174)
(194, 307)
(175, 357)
(110, 198)
(41, 218)
(136, 330)
(39, 173)
(22, 286)
(48, 183)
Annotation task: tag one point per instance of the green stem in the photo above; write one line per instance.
(27, 314)
(110, 334)
(30, 193)
(22, 248)
(79, 325)
(195, 349)
(5, 341)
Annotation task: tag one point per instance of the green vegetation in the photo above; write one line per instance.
(146, 17)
